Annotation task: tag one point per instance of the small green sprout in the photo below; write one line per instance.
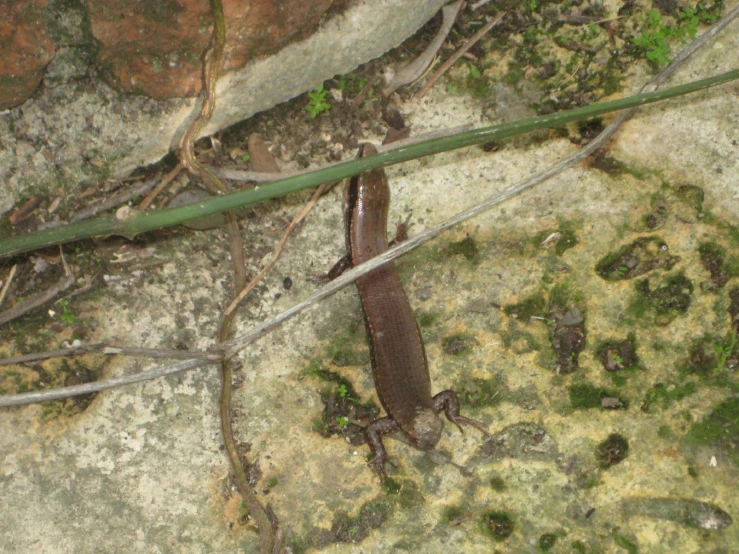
(724, 352)
(342, 421)
(474, 72)
(66, 316)
(342, 391)
(317, 102)
(245, 159)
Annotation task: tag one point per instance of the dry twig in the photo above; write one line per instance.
(112, 350)
(40, 299)
(160, 187)
(6, 286)
(458, 54)
(278, 249)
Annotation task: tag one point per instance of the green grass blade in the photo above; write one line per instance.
(149, 221)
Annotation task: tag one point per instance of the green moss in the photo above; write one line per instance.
(547, 541)
(479, 392)
(498, 525)
(711, 356)
(426, 319)
(409, 497)
(617, 356)
(341, 350)
(518, 338)
(473, 82)
(354, 529)
(719, 430)
(497, 484)
(612, 451)
(670, 298)
(458, 344)
(586, 396)
(662, 396)
(691, 196)
(664, 432)
(643, 255)
(715, 260)
(563, 238)
(627, 543)
(514, 75)
(453, 513)
(534, 305)
(467, 247)
(565, 295)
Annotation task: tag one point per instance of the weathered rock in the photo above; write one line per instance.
(26, 50)
(78, 130)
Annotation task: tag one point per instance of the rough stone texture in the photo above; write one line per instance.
(156, 48)
(78, 131)
(153, 48)
(140, 470)
(26, 49)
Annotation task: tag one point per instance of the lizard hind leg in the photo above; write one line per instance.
(448, 402)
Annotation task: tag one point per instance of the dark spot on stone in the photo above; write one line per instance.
(499, 524)
(641, 256)
(612, 451)
(567, 336)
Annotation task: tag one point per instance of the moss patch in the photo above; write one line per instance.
(643, 255)
(562, 239)
(534, 305)
(618, 355)
(719, 430)
(467, 248)
(710, 355)
(458, 344)
(665, 301)
(612, 451)
(662, 396)
(585, 396)
(498, 525)
(480, 392)
(547, 541)
(714, 260)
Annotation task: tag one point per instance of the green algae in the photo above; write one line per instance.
(612, 451)
(498, 525)
(719, 430)
(641, 256)
(585, 396)
(661, 304)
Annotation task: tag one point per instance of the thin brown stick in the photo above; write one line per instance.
(6, 286)
(41, 299)
(458, 54)
(160, 186)
(112, 350)
(278, 249)
(115, 200)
